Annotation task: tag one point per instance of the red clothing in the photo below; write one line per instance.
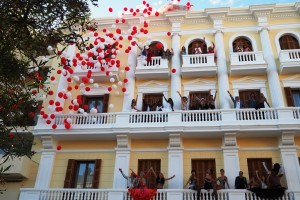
(142, 194)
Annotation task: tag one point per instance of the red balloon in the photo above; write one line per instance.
(54, 126)
(125, 80)
(159, 45)
(123, 89)
(67, 125)
(173, 70)
(110, 9)
(31, 114)
(109, 89)
(48, 121)
(11, 135)
(58, 147)
(127, 68)
(168, 33)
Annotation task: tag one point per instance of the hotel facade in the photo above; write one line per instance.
(97, 145)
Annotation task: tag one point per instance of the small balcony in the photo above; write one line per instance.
(198, 65)
(157, 68)
(97, 74)
(289, 61)
(247, 63)
(162, 194)
(20, 169)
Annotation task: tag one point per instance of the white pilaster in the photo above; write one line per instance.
(290, 161)
(122, 161)
(223, 84)
(176, 64)
(44, 174)
(231, 158)
(130, 75)
(272, 72)
(175, 164)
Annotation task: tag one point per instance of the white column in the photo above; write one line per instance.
(175, 162)
(223, 84)
(44, 174)
(273, 78)
(130, 75)
(122, 161)
(231, 158)
(176, 64)
(289, 158)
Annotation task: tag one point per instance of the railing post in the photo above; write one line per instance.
(285, 115)
(174, 195)
(174, 118)
(29, 194)
(122, 119)
(236, 194)
(117, 195)
(228, 117)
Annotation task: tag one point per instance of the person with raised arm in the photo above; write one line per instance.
(170, 105)
(160, 179)
(184, 101)
(211, 100)
(133, 105)
(131, 180)
(237, 103)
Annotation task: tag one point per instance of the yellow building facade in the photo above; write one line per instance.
(256, 51)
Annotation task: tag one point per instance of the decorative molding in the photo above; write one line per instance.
(152, 87)
(196, 21)
(199, 85)
(259, 149)
(239, 18)
(248, 82)
(97, 91)
(202, 149)
(283, 15)
(292, 81)
(150, 150)
(48, 142)
(229, 140)
(175, 19)
(122, 141)
(175, 141)
(287, 138)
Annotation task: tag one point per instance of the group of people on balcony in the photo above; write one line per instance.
(197, 103)
(199, 48)
(240, 47)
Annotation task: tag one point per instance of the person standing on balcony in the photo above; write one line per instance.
(222, 180)
(149, 56)
(192, 183)
(211, 100)
(262, 180)
(240, 181)
(252, 101)
(133, 105)
(237, 103)
(160, 179)
(183, 51)
(261, 101)
(184, 102)
(169, 53)
(197, 49)
(170, 104)
(131, 180)
(211, 49)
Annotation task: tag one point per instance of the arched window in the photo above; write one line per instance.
(156, 48)
(288, 42)
(242, 44)
(199, 43)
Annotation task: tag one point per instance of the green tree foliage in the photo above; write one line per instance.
(27, 29)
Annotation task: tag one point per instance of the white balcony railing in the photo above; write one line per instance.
(290, 55)
(247, 58)
(164, 194)
(289, 61)
(154, 63)
(96, 68)
(198, 60)
(217, 118)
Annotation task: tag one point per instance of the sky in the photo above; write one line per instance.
(118, 5)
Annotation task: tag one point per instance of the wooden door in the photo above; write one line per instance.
(144, 165)
(257, 164)
(151, 100)
(200, 166)
(246, 94)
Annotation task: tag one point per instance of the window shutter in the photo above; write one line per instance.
(105, 103)
(289, 97)
(70, 174)
(96, 176)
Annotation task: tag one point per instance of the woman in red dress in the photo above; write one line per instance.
(142, 192)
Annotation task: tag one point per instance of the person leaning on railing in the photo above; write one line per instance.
(237, 103)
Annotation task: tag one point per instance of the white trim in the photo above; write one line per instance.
(285, 32)
(87, 151)
(191, 39)
(292, 81)
(202, 149)
(247, 83)
(97, 91)
(157, 40)
(259, 149)
(199, 85)
(249, 37)
(149, 150)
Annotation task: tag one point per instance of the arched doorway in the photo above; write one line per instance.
(195, 44)
(242, 44)
(288, 42)
(156, 48)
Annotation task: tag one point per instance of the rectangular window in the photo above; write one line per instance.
(195, 97)
(82, 174)
(144, 165)
(150, 101)
(200, 166)
(296, 97)
(245, 96)
(98, 102)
